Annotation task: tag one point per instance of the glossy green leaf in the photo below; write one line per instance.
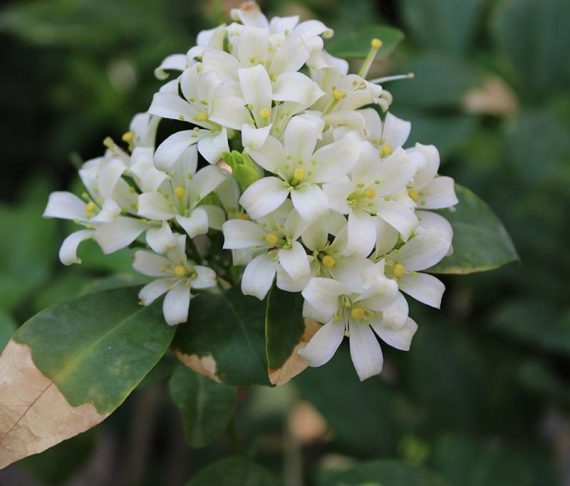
(378, 473)
(440, 82)
(206, 407)
(285, 332)
(225, 338)
(234, 471)
(75, 363)
(355, 44)
(446, 25)
(363, 416)
(534, 36)
(480, 241)
(7, 328)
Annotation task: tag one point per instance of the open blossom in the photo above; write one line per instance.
(177, 277)
(276, 153)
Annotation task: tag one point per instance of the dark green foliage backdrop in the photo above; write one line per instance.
(482, 398)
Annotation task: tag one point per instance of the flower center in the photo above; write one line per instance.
(358, 313)
(414, 195)
(201, 117)
(90, 207)
(265, 113)
(180, 192)
(179, 271)
(271, 239)
(386, 150)
(329, 261)
(338, 94)
(399, 270)
(370, 193)
(299, 174)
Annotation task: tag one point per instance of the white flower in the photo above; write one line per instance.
(274, 240)
(178, 277)
(300, 167)
(387, 135)
(352, 305)
(430, 243)
(374, 190)
(179, 197)
(428, 190)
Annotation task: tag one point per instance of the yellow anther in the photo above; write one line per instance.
(265, 113)
(415, 195)
(201, 116)
(180, 192)
(271, 239)
(370, 193)
(299, 174)
(128, 137)
(376, 43)
(338, 94)
(90, 207)
(329, 261)
(386, 150)
(399, 270)
(108, 142)
(179, 271)
(358, 312)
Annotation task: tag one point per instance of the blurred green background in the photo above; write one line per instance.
(483, 397)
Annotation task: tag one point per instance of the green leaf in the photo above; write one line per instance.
(206, 407)
(355, 44)
(480, 241)
(364, 416)
(380, 473)
(75, 363)
(285, 332)
(7, 328)
(234, 471)
(225, 339)
(440, 82)
(446, 25)
(534, 36)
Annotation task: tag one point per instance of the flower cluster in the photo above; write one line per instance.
(297, 164)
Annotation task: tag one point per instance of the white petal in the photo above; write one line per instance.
(239, 234)
(423, 287)
(337, 193)
(399, 216)
(427, 157)
(169, 105)
(264, 196)
(395, 173)
(152, 291)
(298, 88)
(254, 138)
(153, 205)
(206, 180)
(439, 194)
(323, 344)
(216, 216)
(205, 278)
(365, 350)
(290, 57)
(295, 262)
(386, 237)
(361, 233)
(151, 264)
(160, 239)
(65, 205)
(312, 28)
(174, 62)
(396, 131)
(195, 224)
(169, 151)
(286, 283)
(176, 305)
(256, 88)
(68, 250)
(373, 124)
(301, 136)
(423, 251)
(230, 112)
(397, 314)
(270, 156)
(283, 24)
(108, 213)
(220, 62)
(119, 234)
(337, 159)
(311, 202)
(258, 276)
(322, 295)
(397, 338)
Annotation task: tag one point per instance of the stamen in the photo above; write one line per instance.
(265, 113)
(180, 192)
(386, 150)
(338, 94)
(299, 174)
(271, 239)
(90, 207)
(414, 195)
(179, 271)
(358, 313)
(329, 261)
(201, 116)
(375, 46)
(399, 270)
(370, 193)
(128, 137)
(397, 77)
